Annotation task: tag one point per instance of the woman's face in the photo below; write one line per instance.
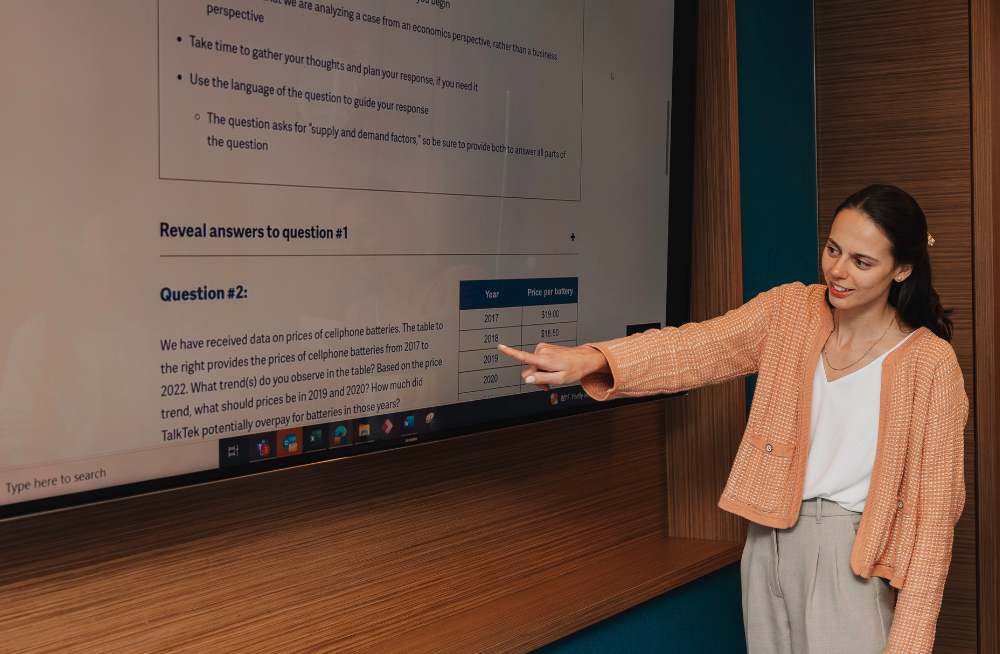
(857, 264)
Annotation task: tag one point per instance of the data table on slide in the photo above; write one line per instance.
(520, 313)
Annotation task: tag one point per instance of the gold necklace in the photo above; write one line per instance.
(827, 357)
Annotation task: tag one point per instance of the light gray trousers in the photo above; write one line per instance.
(800, 595)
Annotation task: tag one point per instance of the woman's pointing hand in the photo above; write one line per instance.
(555, 365)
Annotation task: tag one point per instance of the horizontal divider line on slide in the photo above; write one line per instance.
(379, 190)
(498, 388)
(402, 254)
(516, 365)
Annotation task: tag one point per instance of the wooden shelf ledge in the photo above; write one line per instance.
(596, 588)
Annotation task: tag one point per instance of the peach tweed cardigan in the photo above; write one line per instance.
(917, 489)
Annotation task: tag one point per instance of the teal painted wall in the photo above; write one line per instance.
(774, 67)
(780, 245)
(703, 616)
(777, 104)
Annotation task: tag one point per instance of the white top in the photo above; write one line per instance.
(843, 434)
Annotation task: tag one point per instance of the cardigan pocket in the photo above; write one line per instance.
(768, 446)
(766, 466)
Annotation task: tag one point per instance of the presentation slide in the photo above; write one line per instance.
(234, 233)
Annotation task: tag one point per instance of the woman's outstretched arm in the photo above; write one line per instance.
(666, 360)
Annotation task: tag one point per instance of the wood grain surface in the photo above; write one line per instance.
(985, 32)
(893, 106)
(498, 542)
(704, 427)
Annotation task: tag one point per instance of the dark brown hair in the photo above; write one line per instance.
(900, 218)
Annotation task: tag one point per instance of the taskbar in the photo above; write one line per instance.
(335, 439)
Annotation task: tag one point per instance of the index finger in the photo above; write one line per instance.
(520, 355)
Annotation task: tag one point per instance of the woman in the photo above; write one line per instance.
(850, 469)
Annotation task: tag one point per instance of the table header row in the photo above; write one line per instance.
(496, 293)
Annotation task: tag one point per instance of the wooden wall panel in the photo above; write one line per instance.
(985, 27)
(893, 106)
(704, 428)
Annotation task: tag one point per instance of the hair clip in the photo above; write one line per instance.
(930, 240)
